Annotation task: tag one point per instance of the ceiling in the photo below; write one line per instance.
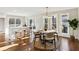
(29, 11)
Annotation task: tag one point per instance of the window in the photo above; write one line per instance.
(14, 22)
(30, 22)
(18, 22)
(11, 21)
(53, 22)
(64, 24)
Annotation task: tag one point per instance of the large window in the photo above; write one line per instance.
(18, 22)
(14, 25)
(53, 22)
(14, 22)
(64, 24)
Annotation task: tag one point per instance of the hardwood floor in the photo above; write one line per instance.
(63, 44)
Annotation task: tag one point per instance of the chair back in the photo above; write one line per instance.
(37, 34)
(49, 35)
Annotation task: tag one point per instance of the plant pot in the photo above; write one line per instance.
(72, 43)
(72, 37)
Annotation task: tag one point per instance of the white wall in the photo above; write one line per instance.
(6, 29)
(77, 31)
(2, 25)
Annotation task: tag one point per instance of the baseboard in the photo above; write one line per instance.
(64, 37)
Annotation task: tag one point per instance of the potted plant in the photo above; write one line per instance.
(73, 24)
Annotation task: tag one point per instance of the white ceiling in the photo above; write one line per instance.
(29, 11)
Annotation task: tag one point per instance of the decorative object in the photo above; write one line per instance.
(73, 24)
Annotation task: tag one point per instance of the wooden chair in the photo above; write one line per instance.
(50, 39)
(37, 35)
(22, 38)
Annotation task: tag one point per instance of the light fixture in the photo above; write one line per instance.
(46, 19)
(46, 11)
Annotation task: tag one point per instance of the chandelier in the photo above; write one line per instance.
(46, 19)
(46, 11)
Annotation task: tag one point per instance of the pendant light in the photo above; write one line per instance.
(46, 19)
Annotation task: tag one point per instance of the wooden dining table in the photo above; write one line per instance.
(46, 32)
(50, 31)
(42, 33)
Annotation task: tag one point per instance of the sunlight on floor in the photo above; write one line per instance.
(64, 45)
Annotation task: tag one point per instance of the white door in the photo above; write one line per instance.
(64, 25)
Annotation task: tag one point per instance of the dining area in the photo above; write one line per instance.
(46, 40)
(42, 41)
(49, 31)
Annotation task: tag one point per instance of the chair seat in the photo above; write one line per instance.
(49, 38)
(55, 34)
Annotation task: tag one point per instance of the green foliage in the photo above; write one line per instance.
(73, 23)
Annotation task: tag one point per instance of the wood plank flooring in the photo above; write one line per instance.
(64, 44)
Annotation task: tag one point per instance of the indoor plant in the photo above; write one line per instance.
(73, 24)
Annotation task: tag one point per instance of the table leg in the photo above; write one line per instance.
(55, 44)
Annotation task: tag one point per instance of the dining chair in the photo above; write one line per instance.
(37, 35)
(49, 38)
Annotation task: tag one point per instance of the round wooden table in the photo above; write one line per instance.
(40, 46)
